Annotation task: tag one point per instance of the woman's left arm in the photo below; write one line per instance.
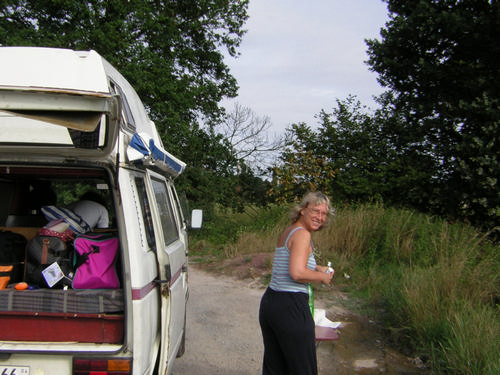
(300, 248)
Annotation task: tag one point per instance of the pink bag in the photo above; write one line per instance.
(95, 261)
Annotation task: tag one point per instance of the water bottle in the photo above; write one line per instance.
(311, 298)
(330, 269)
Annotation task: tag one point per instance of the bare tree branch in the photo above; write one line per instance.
(250, 136)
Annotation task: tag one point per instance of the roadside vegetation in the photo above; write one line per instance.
(438, 283)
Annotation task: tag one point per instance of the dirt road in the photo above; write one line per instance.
(223, 334)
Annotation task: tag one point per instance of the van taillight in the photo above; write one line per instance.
(101, 366)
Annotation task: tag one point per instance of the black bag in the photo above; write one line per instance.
(43, 252)
(12, 249)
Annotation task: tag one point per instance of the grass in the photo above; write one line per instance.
(439, 282)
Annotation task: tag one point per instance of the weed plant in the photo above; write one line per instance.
(439, 282)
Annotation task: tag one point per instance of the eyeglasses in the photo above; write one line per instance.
(318, 212)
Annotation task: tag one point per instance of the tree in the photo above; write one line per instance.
(441, 61)
(301, 168)
(349, 140)
(170, 51)
(248, 135)
(354, 156)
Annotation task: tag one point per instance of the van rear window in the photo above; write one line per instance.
(26, 189)
(53, 128)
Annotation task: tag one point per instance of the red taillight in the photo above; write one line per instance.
(101, 366)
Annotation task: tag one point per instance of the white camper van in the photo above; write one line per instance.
(69, 122)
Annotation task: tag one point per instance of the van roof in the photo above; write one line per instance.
(74, 101)
(52, 68)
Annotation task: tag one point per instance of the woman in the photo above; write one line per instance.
(285, 318)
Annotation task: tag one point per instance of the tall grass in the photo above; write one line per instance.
(439, 282)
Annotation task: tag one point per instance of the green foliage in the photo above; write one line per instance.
(300, 170)
(465, 350)
(359, 156)
(225, 228)
(354, 156)
(67, 194)
(432, 276)
(171, 53)
(169, 50)
(441, 61)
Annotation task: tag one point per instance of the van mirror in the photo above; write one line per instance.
(196, 218)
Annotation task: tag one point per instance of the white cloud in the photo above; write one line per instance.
(298, 57)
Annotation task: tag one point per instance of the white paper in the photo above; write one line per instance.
(52, 274)
(321, 320)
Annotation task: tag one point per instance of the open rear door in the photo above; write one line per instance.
(171, 253)
(54, 98)
(77, 124)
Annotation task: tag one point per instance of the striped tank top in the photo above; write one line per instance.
(281, 281)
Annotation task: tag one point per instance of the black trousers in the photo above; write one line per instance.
(288, 332)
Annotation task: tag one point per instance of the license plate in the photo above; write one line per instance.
(14, 370)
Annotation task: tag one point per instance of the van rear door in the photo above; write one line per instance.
(56, 102)
(76, 124)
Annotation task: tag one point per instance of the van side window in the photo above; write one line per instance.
(178, 205)
(146, 211)
(170, 230)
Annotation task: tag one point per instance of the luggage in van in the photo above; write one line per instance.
(48, 258)
(12, 250)
(73, 220)
(95, 261)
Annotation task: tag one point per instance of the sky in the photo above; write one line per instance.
(298, 57)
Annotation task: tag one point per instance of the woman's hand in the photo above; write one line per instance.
(327, 276)
(327, 270)
(321, 268)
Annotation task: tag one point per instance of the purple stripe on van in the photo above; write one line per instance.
(140, 293)
(175, 276)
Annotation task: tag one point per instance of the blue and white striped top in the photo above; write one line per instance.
(281, 281)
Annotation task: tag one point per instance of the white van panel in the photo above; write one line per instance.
(52, 67)
(146, 331)
(14, 129)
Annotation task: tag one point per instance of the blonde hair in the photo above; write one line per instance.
(315, 198)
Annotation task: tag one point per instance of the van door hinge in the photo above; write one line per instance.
(164, 286)
(165, 290)
(168, 276)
